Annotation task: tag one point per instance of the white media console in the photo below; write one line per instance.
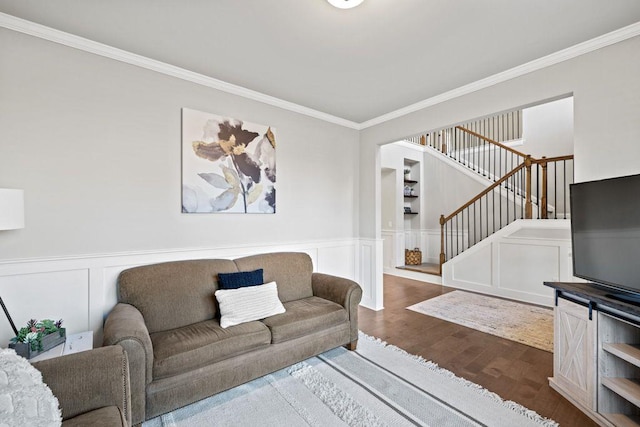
(596, 363)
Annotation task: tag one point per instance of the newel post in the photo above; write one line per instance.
(442, 255)
(543, 199)
(423, 140)
(528, 210)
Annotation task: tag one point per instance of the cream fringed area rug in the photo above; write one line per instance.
(376, 385)
(524, 323)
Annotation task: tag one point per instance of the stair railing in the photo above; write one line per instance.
(483, 155)
(552, 188)
(512, 197)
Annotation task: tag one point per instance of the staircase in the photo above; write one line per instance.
(518, 185)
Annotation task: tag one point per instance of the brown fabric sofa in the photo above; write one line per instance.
(167, 320)
(92, 387)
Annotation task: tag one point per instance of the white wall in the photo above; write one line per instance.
(547, 129)
(606, 92)
(96, 145)
(443, 189)
(389, 194)
(447, 188)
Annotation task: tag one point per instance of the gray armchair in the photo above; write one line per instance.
(92, 387)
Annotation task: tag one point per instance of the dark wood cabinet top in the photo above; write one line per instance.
(600, 295)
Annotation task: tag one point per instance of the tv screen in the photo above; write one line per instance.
(605, 231)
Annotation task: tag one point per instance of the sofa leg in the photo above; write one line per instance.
(352, 345)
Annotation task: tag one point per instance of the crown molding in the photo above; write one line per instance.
(613, 37)
(56, 36)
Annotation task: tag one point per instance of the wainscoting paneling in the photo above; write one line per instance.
(395, 242)
(514, 262)
(476, 270)
(393, 248)
(542, 264)
(337, 260)
(83, 290)
(370, 264)
(62, 294)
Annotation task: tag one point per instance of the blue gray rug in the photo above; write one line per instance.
(377, 385)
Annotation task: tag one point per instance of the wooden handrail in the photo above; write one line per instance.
(486, 190)
(552, 159)
(527, 165)
(544, 162)
(491, 141)
(529, 160)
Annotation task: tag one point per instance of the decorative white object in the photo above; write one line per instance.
(345, 4)
(24, 399)
(248, 304)
(11, 209)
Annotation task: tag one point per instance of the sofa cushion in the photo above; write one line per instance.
(290, 270)
(190, 347)
(240, 279)
(173, 294)
(249, 303)
(304, 317)
(109, 416)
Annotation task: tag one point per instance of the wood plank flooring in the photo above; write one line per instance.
(426, 267)
(514, 371)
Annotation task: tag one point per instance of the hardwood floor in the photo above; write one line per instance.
(514, 371)
(428, 268)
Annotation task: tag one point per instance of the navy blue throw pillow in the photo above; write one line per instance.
(241, 279)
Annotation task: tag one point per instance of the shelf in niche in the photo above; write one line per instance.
(411, 213)
(410, 181)
(410, 197)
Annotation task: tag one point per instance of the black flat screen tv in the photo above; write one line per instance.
(605, 234)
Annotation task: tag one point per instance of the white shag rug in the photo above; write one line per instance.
(524, 323)
(24, 399)
(376, 385)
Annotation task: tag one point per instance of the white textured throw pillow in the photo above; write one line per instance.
(248, 303)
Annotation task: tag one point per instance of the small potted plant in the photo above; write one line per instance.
(407, 173)
(38, 337)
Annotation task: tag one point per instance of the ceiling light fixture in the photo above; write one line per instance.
(345, 4)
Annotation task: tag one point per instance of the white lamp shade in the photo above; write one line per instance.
(345, 4)
(11, 209)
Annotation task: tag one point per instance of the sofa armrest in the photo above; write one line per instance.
(342, 291)
(89, 380)
(125, 327)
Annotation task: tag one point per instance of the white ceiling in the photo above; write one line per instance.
(355, 64)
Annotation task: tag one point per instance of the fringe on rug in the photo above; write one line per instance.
(514, 406)
(339, 401)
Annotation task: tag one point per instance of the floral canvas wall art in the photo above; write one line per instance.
(228, 165)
